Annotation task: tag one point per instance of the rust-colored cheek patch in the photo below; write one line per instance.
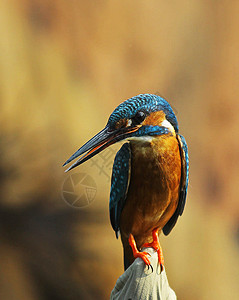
(155, 118)
(121, 123)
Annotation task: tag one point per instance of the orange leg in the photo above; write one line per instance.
(156, 246)
(136, 253)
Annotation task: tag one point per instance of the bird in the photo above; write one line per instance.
(150, 173)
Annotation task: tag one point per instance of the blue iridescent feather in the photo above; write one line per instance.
(147, 102)
(119, 184)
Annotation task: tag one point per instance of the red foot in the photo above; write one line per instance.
(156, 246)
(136, 253)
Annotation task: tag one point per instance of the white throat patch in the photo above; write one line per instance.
(142, 139)
(168, 125)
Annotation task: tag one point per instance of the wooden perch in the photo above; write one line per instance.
(139, 282)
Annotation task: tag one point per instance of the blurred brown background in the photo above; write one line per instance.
(64, 67)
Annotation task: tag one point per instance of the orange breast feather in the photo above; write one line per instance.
(154, 187)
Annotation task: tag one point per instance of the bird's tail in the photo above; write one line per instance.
(128, 257)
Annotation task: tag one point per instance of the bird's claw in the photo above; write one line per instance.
(150, 266)
(156, 246)
(143, 256)
(161, 268)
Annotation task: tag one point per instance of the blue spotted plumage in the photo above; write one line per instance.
(148, 102)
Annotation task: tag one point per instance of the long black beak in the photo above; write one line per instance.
(99, 142)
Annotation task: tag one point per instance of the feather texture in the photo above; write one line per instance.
(119, 185)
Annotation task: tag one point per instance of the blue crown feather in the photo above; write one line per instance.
(147, 102)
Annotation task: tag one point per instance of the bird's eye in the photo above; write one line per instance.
(138, 118)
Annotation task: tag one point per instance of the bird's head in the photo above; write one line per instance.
(136, 118)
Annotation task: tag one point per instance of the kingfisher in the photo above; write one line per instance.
(150, 173)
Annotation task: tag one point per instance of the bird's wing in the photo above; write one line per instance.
(119, 184)
(183, 185)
